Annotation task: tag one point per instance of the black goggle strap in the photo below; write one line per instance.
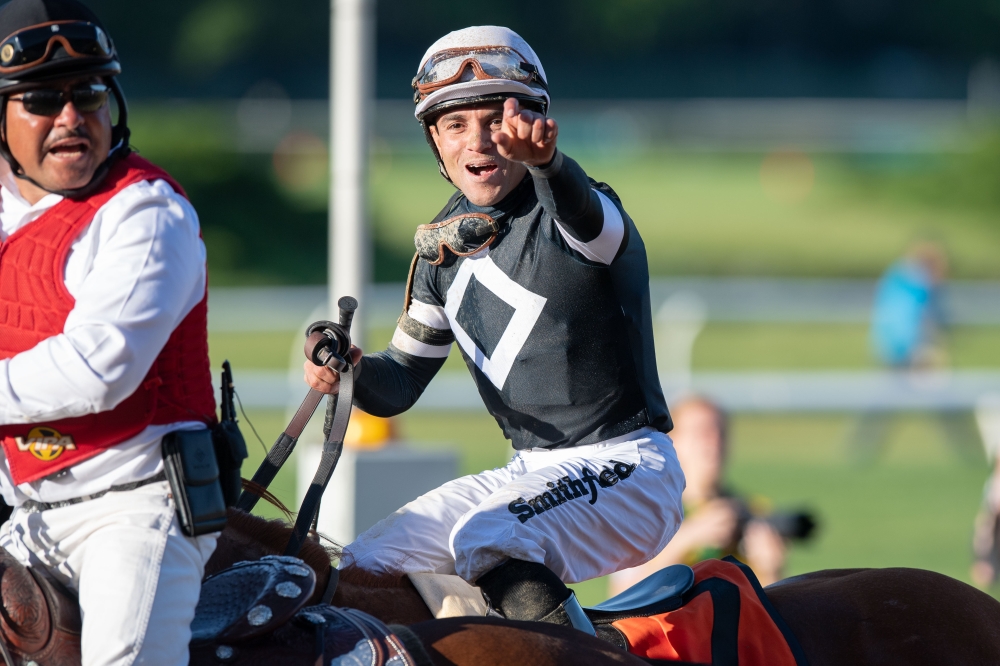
(120, 135)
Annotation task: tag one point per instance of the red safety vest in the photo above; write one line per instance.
(34, 304)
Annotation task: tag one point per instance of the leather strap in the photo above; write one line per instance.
(331, 585)
(280, 450)
(332, 448)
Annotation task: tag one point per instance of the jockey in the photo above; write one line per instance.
(541, 277)
(103, 341)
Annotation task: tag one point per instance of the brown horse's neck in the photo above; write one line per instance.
(248, 537)
(389, 597)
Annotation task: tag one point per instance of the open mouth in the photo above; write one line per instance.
(73, 148)
(484, 169)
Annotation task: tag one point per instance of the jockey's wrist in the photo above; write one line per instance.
(549, 169)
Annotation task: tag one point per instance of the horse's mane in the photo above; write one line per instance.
(250, 537)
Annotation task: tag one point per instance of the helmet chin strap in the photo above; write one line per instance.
(430, 142)
(119, 149)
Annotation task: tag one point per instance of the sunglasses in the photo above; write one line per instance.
(50, 101)
(30, 46)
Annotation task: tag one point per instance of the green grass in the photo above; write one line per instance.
(709, 214)
(700, 214)
(766, 346)
(912, 507)
(720, 346)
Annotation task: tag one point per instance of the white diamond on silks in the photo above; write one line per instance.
(296, 570)
(224, 652)
(288, 590)
(259, 615)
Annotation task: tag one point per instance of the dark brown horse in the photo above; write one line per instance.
(477, 641)
(843, 616)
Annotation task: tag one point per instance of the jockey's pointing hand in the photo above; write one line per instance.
(526, 136)
(325, 380)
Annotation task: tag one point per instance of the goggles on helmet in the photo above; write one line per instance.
(450, 66)
(463, 235)
(33, 45)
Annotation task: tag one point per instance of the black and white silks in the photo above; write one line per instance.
(553, 319)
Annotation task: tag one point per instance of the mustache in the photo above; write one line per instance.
(77, 133)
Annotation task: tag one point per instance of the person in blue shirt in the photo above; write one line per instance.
(907, 316)
(907, 335)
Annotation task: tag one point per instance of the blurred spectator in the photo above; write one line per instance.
(907, 317)
(986, 534)
(717, 522)
(907, 334)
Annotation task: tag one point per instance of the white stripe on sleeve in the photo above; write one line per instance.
(429, 315)
(408, 345)
(604, 248)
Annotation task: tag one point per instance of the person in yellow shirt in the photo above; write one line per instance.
(717, 522)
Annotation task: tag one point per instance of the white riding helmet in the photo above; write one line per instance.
(477, 65)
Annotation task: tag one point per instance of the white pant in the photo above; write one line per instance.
(540, 507)
(138, 577)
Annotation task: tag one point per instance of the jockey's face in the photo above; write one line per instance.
(59, 152)
(463, 139)
(699, 442)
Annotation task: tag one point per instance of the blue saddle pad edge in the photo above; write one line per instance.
(660, 592)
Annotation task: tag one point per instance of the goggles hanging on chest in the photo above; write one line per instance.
(462, 235)
(451, 66)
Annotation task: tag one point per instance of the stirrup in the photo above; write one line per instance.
(570, 613)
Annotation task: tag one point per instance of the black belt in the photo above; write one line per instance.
(31, 506)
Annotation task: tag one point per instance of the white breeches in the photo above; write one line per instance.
(583, 512)
(138, 577)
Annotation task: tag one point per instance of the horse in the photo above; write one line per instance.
(839, 616)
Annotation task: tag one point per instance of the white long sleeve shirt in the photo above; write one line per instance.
(136, 271)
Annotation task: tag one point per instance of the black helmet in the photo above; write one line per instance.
(52, 40)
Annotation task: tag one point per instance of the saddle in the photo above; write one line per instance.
(720, 618)
(40, 619)
(252, 613)
(658, 593)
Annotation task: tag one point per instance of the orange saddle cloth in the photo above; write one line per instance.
(726, 620)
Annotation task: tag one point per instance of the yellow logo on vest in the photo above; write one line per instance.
(45, 443)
